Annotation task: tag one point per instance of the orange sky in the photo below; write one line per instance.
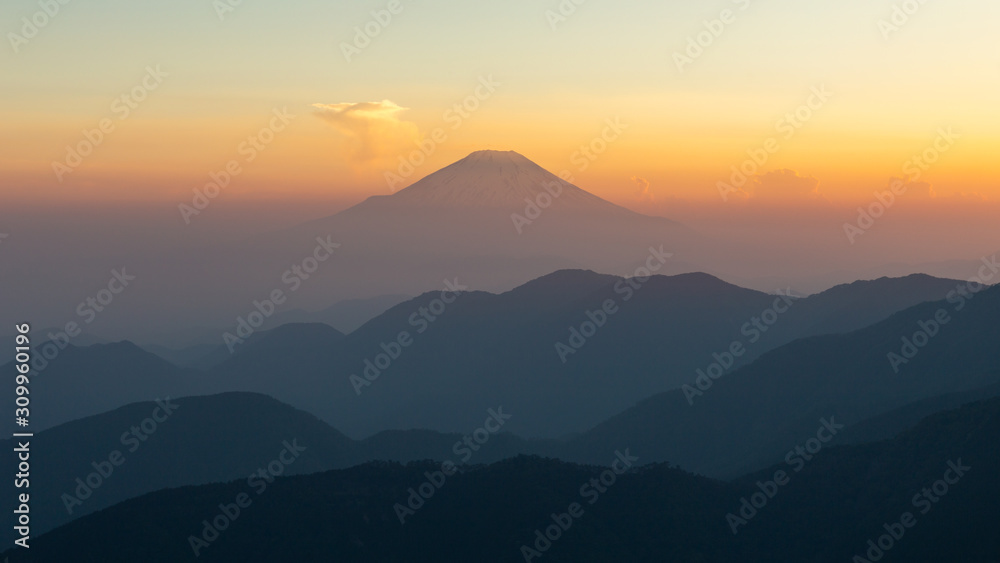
(546, 94)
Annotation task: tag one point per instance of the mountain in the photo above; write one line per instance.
(196, 440)
(176, 442)
(54, 335)
(345, 316)
(274, 343)
(892, 423)
(82, 381)
(663, 332)
(499, 180)
(501, 350)
(348, 515)
(752, 416)
(825, 512)
(848, 496)
(453, 223)
(492, 219)
(206, 352)
(419, 445)
(848, 307)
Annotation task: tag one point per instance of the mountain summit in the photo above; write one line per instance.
(493, 219)
(498, 179)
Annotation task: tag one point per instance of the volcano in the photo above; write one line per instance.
(498, 219)
(493, 220)
(502, 180)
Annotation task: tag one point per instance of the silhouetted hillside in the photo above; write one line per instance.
(748, 418)
(198, 440)
(504, 349)
(827, 512)
(80, 382)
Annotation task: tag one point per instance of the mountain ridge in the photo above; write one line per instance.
(498, 179)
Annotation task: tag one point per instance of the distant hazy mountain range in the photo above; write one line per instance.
(493, 220)
(748, 418)
(484, 350)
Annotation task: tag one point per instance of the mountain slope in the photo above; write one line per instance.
(499, 180)
(501, 349)
(197, 440)
(826, 513)
(83, 381)
(748, 418)
(458, 222)
(265, 350)
(856, 305)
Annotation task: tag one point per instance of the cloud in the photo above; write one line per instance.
(642, 192)
(371, 130)
(928, 193)
(912, 189)
(923, 190)
(975, 197)
(782, 186)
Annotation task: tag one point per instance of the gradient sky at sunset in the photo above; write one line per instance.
(557, 87)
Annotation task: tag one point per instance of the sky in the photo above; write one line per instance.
(326, 111)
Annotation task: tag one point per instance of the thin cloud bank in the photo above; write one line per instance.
(784, 186)
(642, 192)
(913, 189)
(779, 187)
(925, 190)
(372, 130)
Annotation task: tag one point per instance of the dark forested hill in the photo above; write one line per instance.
(934, 487)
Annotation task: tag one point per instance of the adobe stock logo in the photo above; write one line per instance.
(121, 107)
(227, 514)
(224, 7)
(294, 277)
(472, 442)
(133, 438)
(787, 126)
(714, 29)
(455, 116)
(565, 10)
(901, 14)
(923, 501)
(597, 318)
(249, 149)
(591, 491)
(421, 319)
(796, 458)
(364, 36)
(753, 330)
(914, 169)
(959, 297)
(30, 27)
